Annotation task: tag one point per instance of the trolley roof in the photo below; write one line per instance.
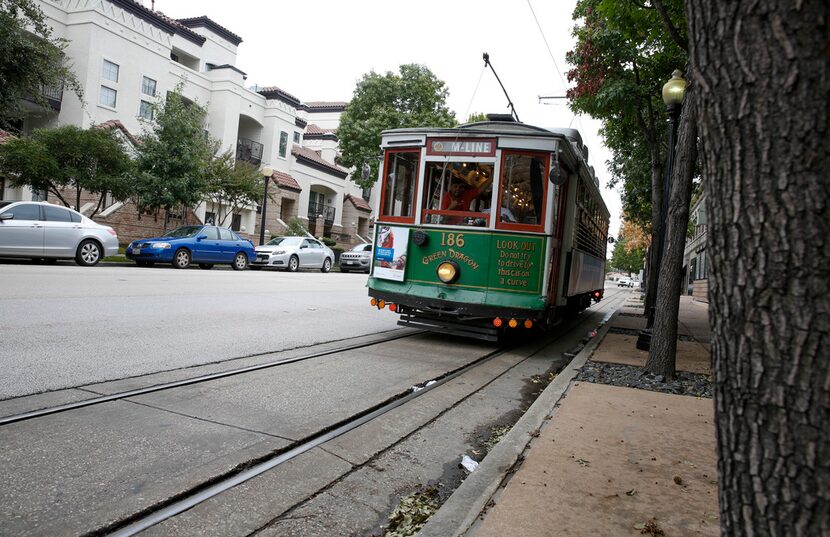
(573, 150)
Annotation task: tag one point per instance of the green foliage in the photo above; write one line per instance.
(69, 157)
(296, 227)
(413, 98)
(175, 156)
(623, 56)
(233, 185)
(625, 259)
(476, 117)
(31, 59)
(328, 242)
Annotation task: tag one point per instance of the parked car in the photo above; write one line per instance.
(205, 245)
(625, 282)
(292, 254)
(359, 258)
(41, 230)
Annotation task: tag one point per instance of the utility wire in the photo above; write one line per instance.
(562, 78)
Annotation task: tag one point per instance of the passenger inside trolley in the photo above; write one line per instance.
(458, 193)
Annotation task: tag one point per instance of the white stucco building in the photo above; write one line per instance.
(127, 56)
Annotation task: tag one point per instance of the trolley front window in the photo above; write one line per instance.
(458, 193)
(523, 190)
(399, 185)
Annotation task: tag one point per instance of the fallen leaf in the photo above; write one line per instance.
(631, 492)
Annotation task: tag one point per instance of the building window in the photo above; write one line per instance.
(236, 222)
(210, 218)
(145, 110)
(2, 188)
(296, 137)
(283, 144)
(148, 86)
(108, 97)
(110, 71)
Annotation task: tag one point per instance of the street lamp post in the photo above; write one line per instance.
(267, 173)
(673, 93)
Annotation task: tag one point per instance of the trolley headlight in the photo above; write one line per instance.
(448, 271)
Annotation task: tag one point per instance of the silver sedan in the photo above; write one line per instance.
(41, 230)
(293, 253)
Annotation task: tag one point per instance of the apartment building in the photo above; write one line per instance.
(127, 56)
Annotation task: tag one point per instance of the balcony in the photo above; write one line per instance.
(249, 151)
(53, 95)
(317, 210)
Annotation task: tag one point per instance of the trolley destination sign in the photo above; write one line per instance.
(467, 147)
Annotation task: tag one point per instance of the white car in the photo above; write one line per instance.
(359, 258)
(292, 254)
(625, 282)
(41, 230)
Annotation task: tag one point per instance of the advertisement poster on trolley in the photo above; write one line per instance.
(390, 253)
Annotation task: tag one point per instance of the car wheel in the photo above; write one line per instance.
(293, 264)
(240, 262)
(88, 253)
(326, 265)
(181, 259)
(205, 266)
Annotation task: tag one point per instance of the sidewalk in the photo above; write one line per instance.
(590, 458)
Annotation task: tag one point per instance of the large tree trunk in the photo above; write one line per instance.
(656, 228)
(662, 353)
(763, 82)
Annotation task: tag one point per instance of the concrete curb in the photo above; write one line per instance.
(460, 511)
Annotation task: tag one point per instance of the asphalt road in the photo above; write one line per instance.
(64, 325)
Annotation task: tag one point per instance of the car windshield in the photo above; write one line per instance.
(284, 241)
(358, 248)
(184, 231)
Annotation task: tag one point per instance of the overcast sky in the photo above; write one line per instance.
(318, 50)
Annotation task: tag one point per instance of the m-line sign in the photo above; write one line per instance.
(462, 147)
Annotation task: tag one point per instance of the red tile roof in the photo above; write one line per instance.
(273, 92)
(284, 180)
(313, 158)
(204, 22)
(314, 129)
(116, 124)
(359, 203)
(326, 106)
(5, 136)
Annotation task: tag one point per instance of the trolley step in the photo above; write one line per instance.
(448, 326)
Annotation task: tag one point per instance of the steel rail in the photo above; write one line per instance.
(14, 418)
(139, 522)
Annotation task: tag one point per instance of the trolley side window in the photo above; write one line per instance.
(523, 191)
(458, 193)
(400, 180)
(591, 230)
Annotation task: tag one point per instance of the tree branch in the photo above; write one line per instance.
(672, 29)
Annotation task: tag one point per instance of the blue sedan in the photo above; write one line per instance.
(205, 245)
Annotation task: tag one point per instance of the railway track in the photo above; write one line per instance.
(196, 494)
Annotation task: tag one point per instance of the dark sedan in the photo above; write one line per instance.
(205, 245)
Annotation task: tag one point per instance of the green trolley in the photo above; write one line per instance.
(487, 227)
